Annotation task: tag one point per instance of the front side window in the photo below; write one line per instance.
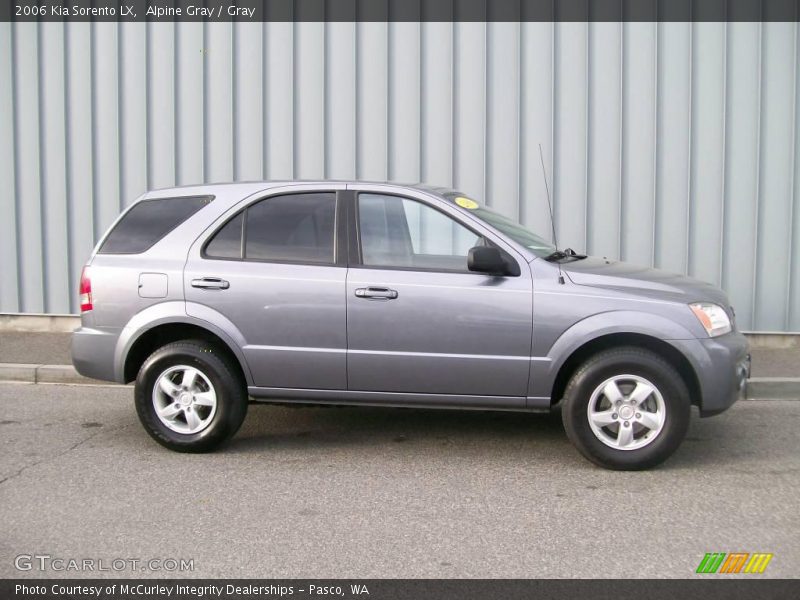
(399, 232)
(516, 231)
(292, 228)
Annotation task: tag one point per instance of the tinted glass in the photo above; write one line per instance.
(292, 228)
(399, 232)
(517, 232)
(227, 242)
(149, 221)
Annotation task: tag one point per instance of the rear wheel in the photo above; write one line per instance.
(626, 409)
(190, 397)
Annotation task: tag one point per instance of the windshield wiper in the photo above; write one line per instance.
(567, 253)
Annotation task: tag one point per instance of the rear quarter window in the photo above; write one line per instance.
(149, 221)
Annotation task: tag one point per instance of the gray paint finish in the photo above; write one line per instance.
(670, 144)
(438, 337)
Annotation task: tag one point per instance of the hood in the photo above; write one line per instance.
(620, 276)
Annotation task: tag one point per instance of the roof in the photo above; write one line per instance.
(247, 187)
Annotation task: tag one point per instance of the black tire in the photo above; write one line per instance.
(230, 390)
(628, 361)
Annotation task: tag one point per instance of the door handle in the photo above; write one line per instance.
(210, 283)
(376, 293)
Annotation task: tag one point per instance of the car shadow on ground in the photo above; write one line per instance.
(291, 427)
(725, 440)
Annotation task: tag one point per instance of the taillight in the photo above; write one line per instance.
(85, 290)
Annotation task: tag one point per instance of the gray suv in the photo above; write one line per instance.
(375, 294)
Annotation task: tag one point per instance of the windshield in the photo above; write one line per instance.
(519, 233)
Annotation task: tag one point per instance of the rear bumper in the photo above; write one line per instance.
(93, 352)
(722, 365)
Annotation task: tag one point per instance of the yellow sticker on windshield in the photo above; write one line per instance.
(466, 203)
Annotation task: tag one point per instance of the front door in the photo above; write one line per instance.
(273, 273)
(418, 321)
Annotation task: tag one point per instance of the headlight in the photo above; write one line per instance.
(712, 317)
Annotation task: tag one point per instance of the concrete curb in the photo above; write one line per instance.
(773, 388)
(784, 388)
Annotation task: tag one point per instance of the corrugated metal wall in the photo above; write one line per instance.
(671, 144)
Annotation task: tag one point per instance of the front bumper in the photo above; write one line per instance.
(722, 366)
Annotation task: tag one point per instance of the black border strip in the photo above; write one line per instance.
(704, 588)
(400, 10)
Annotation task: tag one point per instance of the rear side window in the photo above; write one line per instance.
(292, 228)
(149, 221)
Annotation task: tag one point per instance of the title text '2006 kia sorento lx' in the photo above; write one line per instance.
(392, 295)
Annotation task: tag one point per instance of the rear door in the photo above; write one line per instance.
(273, 270)
(418, 320)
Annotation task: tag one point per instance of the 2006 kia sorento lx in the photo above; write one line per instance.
(381, 294)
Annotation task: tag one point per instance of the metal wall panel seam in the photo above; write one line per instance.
(42, 160)
(655, 144)
(487, 171)
(587, 140)
(9, 278)
(94, 132)
(73, 299)
(390, 133)
(357, 78)
(264, 105)
(231, 113)
(485, 110)
(176, 99)
(620, 203)
(455, 108)
(148, 102)
(554, 183)
(792, 208)
(421, 74)
(552, 165)
(723, 170)
(387, 118)
(520, 121)
(120, 125)
(294, 99)
(688, 253)
(234, 116)
(453, 124)
(757, 211)
(325, 96)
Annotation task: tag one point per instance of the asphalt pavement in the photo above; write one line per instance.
(367, 492)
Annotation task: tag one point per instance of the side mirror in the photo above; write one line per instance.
(487, 259)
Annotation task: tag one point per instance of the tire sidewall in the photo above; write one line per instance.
(611, 364)
(228, 415)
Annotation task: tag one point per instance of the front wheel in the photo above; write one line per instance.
(189, 396)
(626, 409)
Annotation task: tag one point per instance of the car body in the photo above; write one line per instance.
(376, 296)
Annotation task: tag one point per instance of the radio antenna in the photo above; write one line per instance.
(550, 207)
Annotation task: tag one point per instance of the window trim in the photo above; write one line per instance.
(243, 211)
(356, 258)
(209, 197)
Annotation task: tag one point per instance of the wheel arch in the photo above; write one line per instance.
(155, 337)
(151, 334)
(619, 339)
